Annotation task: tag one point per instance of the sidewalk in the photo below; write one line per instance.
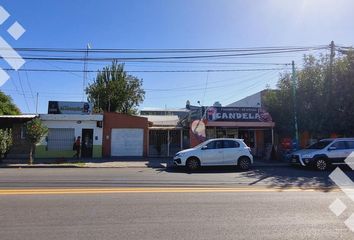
(113, 163)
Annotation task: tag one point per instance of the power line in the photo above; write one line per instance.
(206, 86)
(148, 71)
(184, 88)
(245, 88)
(259, 78)
(23, 92)
(166, 50)
(30, 88)
(171, 57)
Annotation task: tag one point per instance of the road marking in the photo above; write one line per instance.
(38, 191)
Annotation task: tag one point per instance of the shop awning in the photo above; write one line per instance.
(164, 128)
(163, 121)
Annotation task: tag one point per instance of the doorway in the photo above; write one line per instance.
(248, 136)
(87, 143)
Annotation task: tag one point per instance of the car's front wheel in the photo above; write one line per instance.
(321, 164)
(193, 164)
(244, 163)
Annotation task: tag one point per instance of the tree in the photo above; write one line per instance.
(5, 142)
(115, 91)
(7, 107)
(324, 98)
(35, 131)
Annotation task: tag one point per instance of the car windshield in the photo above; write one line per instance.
(320, 144)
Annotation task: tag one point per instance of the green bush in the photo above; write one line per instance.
(5, 142)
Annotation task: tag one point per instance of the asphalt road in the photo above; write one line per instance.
(217, 203)
(117, 177)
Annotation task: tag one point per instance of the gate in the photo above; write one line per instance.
(164, 143)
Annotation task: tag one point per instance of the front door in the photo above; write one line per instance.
(213, 153)
(87, 143)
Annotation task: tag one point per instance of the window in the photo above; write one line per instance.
(210, 133)
(339, 145)
(211, 145)
(231, 144)
(214, 145)
(23, 132)
(350, 144)
(218, 144)
(320, 144)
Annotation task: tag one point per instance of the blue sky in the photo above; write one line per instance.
(169, 24)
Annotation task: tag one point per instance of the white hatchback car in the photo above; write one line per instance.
(216, 152)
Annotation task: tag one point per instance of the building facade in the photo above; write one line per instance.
(21, 147)
(124, 135)
(63, 129)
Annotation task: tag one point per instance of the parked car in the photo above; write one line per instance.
(216, 152)
(324, 153)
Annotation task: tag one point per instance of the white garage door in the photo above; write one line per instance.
(127, 142)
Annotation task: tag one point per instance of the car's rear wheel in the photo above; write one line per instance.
(244, 163)
(321, 164)
(193, 164)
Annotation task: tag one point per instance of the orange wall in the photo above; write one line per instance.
(119, 120)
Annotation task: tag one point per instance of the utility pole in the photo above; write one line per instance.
(294, 100)
(331, 57)
(37, 103)
(85, 71)
(329, 86)
(330, 79)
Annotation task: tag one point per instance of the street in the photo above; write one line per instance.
(144, 203)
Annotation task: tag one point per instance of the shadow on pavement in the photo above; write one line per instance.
(275, 177)
(303, 178)
(219, 169)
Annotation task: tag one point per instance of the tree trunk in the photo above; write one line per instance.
(31, 155)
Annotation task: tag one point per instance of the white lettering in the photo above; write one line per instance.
(245, 116)
(232, 115)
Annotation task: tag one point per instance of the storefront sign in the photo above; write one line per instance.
(58, 107)
(241, 114)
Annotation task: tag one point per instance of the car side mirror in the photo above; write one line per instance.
(204, 147)
(332, 148)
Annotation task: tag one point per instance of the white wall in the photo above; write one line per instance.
(78, 128)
